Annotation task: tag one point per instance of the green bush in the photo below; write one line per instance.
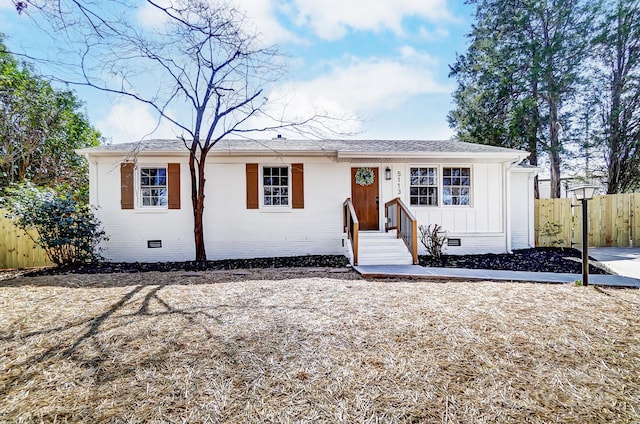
(67, 230)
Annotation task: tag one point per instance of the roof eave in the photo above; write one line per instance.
(515, 155)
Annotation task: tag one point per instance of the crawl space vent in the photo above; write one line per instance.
(154, 244)
(454, 242)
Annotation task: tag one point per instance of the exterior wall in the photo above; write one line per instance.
(233, 231)
(522, 209)
(129, 230)
(480, 226)
(230, 229)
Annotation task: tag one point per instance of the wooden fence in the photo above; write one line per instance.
(614, 220)
(16, 248)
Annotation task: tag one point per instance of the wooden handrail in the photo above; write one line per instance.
(351, 226)
(395, 222)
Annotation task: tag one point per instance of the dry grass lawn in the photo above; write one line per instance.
(214, 347)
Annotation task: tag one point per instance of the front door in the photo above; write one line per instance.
(365, 198)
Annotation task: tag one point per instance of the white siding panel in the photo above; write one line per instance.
(521, 210)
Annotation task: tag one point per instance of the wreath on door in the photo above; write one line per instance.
(364, 176)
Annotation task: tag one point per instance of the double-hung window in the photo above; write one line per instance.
(424, 187)
(153, 186)
(456, 186)
(275, 185)
(432, 186)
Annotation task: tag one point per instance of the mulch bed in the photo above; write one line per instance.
(562, 260)
(541, 259)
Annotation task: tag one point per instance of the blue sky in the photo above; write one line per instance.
(384, 61)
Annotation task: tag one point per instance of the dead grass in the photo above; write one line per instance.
(180, 347)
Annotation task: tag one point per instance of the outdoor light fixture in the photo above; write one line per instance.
(584, 193)
(387, 174)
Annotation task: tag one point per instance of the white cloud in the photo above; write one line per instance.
(331, 19)
(263, 16)
(150, 16)
(439, 33)
(260, 18)
(361, 88)
(328, 19)
(129, 120)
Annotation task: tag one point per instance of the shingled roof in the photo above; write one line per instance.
(340, 148)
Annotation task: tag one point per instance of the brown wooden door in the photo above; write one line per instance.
(365, 201)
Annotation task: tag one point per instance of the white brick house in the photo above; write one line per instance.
(285, 197)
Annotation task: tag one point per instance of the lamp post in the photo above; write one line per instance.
(584, 193)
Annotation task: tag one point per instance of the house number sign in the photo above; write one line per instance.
(399, 183)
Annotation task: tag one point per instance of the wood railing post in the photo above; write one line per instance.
(351, 220)
(398, 218)
(414, 238)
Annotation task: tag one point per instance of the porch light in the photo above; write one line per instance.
(584, 193)
(387, 174)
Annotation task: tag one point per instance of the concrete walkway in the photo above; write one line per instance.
(417, 271)
(621, 260)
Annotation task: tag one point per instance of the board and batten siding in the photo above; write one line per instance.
(522, 209)
(480, 226)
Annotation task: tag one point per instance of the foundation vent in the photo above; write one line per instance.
(154, 244)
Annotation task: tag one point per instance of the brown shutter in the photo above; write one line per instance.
(126, 185)
(297, 186)
(173, 185)
(252, 186)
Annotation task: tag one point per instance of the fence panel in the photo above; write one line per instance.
(16, 248)
(614, 220)
(553, 222)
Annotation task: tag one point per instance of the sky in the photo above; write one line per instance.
(384, 61)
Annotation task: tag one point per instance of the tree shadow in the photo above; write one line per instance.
(27, 369)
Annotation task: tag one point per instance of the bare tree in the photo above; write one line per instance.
(199, 56)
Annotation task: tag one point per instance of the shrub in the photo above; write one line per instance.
(67, 230)
(433, 239)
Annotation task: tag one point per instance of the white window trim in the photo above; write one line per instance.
(138, 188)
(274, 208)
(438, 186)
(440, 168)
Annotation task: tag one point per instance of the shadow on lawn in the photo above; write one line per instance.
(20, 374)
(88, 349)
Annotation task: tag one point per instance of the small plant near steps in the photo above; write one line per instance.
(433, 238)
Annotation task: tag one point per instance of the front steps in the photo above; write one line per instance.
(380, 248)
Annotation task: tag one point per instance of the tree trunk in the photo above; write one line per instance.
(196, 169)
(554, 149)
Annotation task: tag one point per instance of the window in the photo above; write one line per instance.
(275, 185)
(423, 188)
(456, 186)
(153, 186)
